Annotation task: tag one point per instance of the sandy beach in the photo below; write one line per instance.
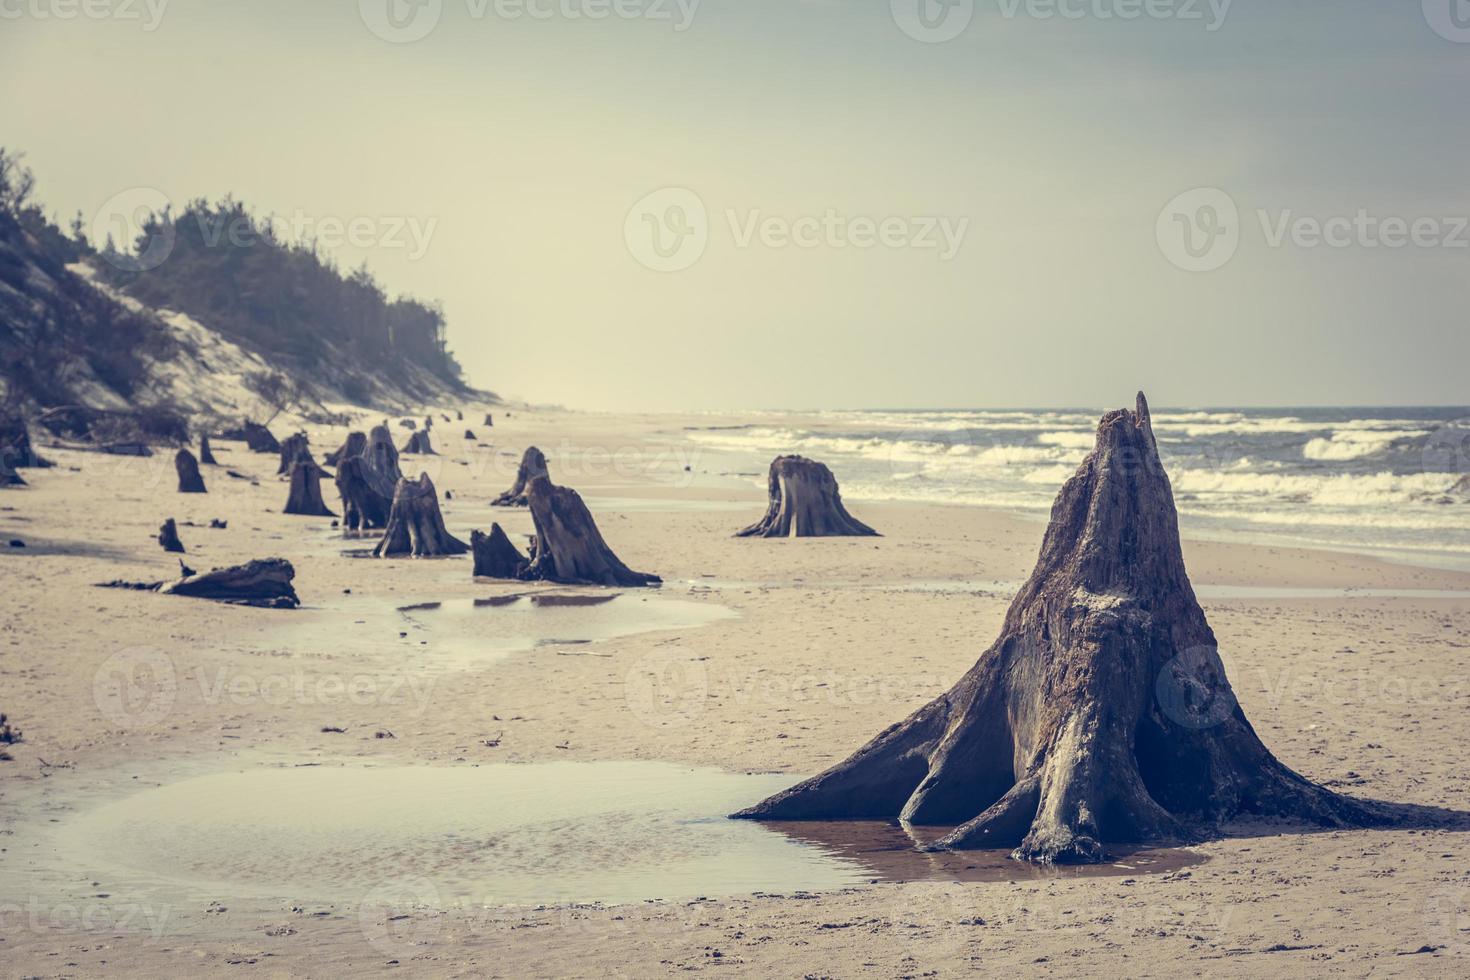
(772, 657)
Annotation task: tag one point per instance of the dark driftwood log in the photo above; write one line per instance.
(188, 468)
(355, 445)
(16, 452)
(206, 455)
(568, 548)
(264, 582)
(533, 464)
(1102, 714)
(306, 490)
(294, 449)
(415, 525)
(168, 537)
(804, 503)
(495, 555)
(419, 445)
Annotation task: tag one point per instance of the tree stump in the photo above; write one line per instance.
(533, 464)
(428, 422)
(168, 537)
(415, 525)
(364, 507)
(355, 445)
(568, 548)
(294, 449)
(382, 459)
(206, 455)
(188, 468)
(419, 445)
(495, 555)
(16, 452)
(458, 416)
(1102, 714)
(489, 421)
(306, 490)
(469, 436)
(259, 438)
(804, 503)
(9, 476)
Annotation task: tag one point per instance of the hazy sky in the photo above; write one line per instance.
(1049, 148)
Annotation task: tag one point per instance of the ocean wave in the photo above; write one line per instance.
(1357, 443)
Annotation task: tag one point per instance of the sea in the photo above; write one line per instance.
(1394, 482)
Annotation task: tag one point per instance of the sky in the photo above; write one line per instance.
(725, 204)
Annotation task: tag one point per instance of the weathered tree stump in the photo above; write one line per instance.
(264, 582)
(294, 449)
(568, 548)
(382, 459)
(363, 506)
(1101, 715)
(16, 452)
(533, 464)
(458, 416)
(206, 455)
(306, 490)
(168, 537)
(9, 476)
(428, 422)
(259, 438)
(188, 469)
(469, 436)
(489, 421)
(804, 503)
(415, 525)
(355, 445)
(495, 555)
(419, 445)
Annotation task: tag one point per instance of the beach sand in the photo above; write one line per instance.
(826, 642)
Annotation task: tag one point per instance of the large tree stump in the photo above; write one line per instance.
(363, 507)
(306, 490)
(495, 555)
(569, 549)
(294, 449)
(168, 537)
(533, 464)
(16, 452)
(206, 455)
(264, 582)
(804, 503)
(188, 469)
(1101, 715)
(355, 445)
(415, 525)
(419, 445)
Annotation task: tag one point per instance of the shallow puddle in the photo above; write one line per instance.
(514, 835)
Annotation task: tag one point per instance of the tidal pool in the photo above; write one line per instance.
(613, 832)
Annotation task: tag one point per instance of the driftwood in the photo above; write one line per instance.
(306, 490)
(495, 555)
(1101, 715)
(568, 548)
(168, 537)
(804, 503)
(415, 525)
(419, 445)
(294, 449)
(355, 445)
(533, 464)
(16, 452)
(206, 455)
(188, 468)
(264, 582)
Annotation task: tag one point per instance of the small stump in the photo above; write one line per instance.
(306, 490)
(188, 468)
(415, 525)
(495, 555)
(206, 455)
(168, 537)
(533, 465)
(419, 445)
(804, 503)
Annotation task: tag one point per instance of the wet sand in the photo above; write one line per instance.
(802, 650)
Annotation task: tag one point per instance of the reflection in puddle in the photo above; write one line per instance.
(504, 834)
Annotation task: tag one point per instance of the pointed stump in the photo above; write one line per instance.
(188, 469)
(569, 549)
(415, 525)
(1101, 715)
(355, 445)
(293, 450)
(419, 445)
(495, 555)
(168, 537)
(533, 465)
(306, 490)
(206, 455)
(803, 502)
